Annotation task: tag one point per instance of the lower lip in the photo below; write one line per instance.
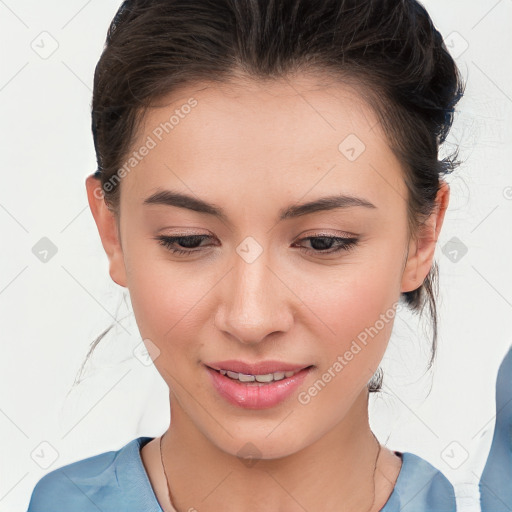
(256, 395)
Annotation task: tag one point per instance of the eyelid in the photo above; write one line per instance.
(342, 244)
(327, 233)
(307, 234)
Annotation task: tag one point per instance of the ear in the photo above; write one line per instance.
(106, 223)
(422, 249)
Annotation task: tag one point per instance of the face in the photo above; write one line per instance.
(259, 279)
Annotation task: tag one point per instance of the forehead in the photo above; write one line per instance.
(291, 135)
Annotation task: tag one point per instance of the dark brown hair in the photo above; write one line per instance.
(389, 49)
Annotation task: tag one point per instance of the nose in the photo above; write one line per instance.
(254, 302)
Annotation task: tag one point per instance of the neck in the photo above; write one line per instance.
(339, 467)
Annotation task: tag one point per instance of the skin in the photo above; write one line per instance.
(252, 149)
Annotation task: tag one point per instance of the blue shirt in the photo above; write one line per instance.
(117, 481)
(496, 480)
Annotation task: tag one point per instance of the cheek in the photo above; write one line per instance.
(359, 312)
(350, 297)
(354, 307)
(165, 301)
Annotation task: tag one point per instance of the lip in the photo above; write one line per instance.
(256, 395)
(261, 368)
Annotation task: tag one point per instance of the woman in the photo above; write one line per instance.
(270, 193)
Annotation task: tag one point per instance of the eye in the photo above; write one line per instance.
(189, 241)
(321, 244)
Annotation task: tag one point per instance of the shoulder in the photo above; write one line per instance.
(494, 484)
(96, 482)
(420, 470)
(421, 487)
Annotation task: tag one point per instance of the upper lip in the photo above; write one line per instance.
(261, 368)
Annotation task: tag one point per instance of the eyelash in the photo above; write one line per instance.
(346, 244)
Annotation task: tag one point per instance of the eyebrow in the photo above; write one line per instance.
(181, 200)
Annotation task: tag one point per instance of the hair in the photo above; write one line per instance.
(389, 49)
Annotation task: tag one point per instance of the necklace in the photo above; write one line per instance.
(166, 479)
(374, 470)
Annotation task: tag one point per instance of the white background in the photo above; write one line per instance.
(51, 312)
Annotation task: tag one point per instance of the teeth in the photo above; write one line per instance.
(269, 377)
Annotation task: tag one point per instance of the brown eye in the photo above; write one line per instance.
(320, 244)
(323, 244)
(190, 243)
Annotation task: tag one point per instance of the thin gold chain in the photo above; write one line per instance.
(374, 470)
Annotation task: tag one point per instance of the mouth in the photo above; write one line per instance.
(257, 390)
(264, 378)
